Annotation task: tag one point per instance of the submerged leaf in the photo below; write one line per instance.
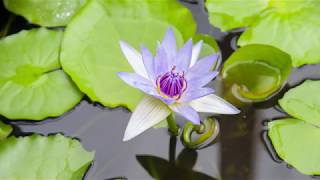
(45, 12)
(38, 157)
(263, 69)
(5, 130)
(297, 142)
(292, 26)
(303, 102)
(91, 52)
(32, 85)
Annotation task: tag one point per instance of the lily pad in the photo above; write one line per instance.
(264, 69)
(297, 142)
(292, 26)
(91, 52)
(303, 102)
(169, 11)
(38, 157)
(45, 12)
(228, 15)
(32, 85)
(5, 130)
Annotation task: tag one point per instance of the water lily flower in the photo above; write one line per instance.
(173, 81)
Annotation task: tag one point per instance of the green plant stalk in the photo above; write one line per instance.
(173, 127)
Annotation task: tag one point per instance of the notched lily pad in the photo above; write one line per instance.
(303, 102)
(45, 12)
(297, 142)
(91, 52)
(38, 157)
(32, 85)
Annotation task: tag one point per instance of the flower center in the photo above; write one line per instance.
(172, 84)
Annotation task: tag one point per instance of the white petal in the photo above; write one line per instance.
(149, 112)
(196, 49)
(213, 104)
(134, 58)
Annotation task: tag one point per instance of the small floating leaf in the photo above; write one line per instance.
(5, 130)
(263, 69)
(32, 85)
(292, 26)
(45, 12)
(38, 157)
(297, 142)
(91, 52)
(303, 102)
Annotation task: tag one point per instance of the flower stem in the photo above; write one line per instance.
(173, 127)
(172, 149)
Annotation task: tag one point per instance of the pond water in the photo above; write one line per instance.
(242, 150)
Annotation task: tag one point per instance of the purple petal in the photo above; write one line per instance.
(201, 81)
(149, 112)
(203, 66)
(196, 49)
(213, 104)
(169, 43)
(190, 95)
(138, 82)
(160, 61)
(166, 100)
(187, 112)
(134, 58)
(148, 62)
(183, 57)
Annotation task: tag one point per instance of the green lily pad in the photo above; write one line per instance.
(91, 52)
(303, 102)
(264, 69)
(45, 12)
(169, 11)
(5, 130)
(32, 85)
(228, 15)
(292, 26)
(38, 157)
(297, 142)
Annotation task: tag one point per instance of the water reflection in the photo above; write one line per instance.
(180, 168)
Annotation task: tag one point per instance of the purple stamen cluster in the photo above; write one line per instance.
(172, 84)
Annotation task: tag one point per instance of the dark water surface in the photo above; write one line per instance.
(242, 152)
